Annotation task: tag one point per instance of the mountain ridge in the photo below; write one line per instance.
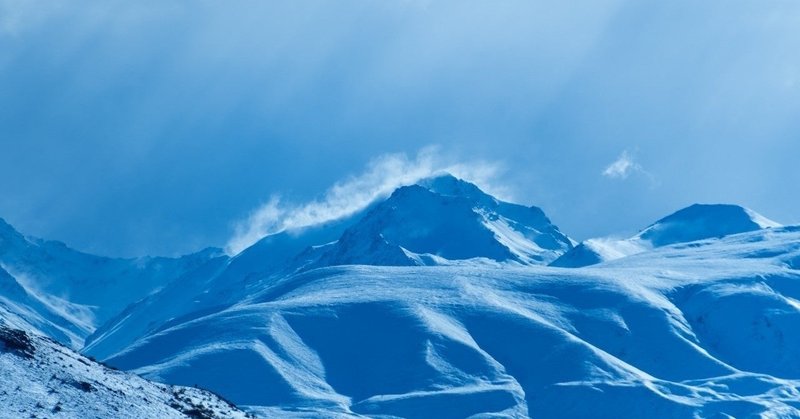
(692, 223)
(437, 300)
(377, 235)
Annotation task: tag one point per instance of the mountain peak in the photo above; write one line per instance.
(443, 218)
(704, 221)
(448, 185)
(695, 222)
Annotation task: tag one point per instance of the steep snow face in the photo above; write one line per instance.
(41, 378)
(697, 222)
(446, 219)
(704, 329)
(57, 283)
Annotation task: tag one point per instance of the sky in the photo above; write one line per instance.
(162, 127)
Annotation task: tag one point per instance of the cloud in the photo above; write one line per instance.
(380, 178)
(623, 167)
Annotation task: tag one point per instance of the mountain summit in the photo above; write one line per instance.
(440, 220)
(443, 219)
(696, 222)
(704, 221)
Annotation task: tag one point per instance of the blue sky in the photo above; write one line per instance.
(157, 127)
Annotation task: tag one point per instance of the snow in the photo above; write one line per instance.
(27, 311)
(46, 379)
(700, 329)
(594, 251)
(426, 219)
(696, 222)
(79, 291)
(699, 222)
(416, 225)
(437, 302)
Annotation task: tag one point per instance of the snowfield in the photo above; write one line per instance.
(701, 329)
(437, 303)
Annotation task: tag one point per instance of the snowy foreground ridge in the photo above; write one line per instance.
(437, 302)
(41, 378)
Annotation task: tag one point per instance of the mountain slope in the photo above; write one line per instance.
(41, 378)
(696, 222)
(28, 312)
(594, 251)
(439, 221)
(445, 219)
(219, 283)
(435, 302)
(699, 222)
(700, 329)
(84, 289)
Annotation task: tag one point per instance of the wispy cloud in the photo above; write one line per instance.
(380, 178)
(622, 167)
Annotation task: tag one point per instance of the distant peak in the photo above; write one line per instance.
(704, 221)
(695, 222)
(719, 212)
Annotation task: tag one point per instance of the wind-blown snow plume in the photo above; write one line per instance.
(382, 176)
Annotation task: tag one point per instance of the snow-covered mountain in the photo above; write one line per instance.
(66, 294)
(445, 219)
(703, 329)
(39, 378)
(436, 301)
(27, 311)
(696, 222)
(699, 222)
(438, 221)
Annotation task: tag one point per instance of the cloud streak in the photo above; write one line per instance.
(379, 179)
